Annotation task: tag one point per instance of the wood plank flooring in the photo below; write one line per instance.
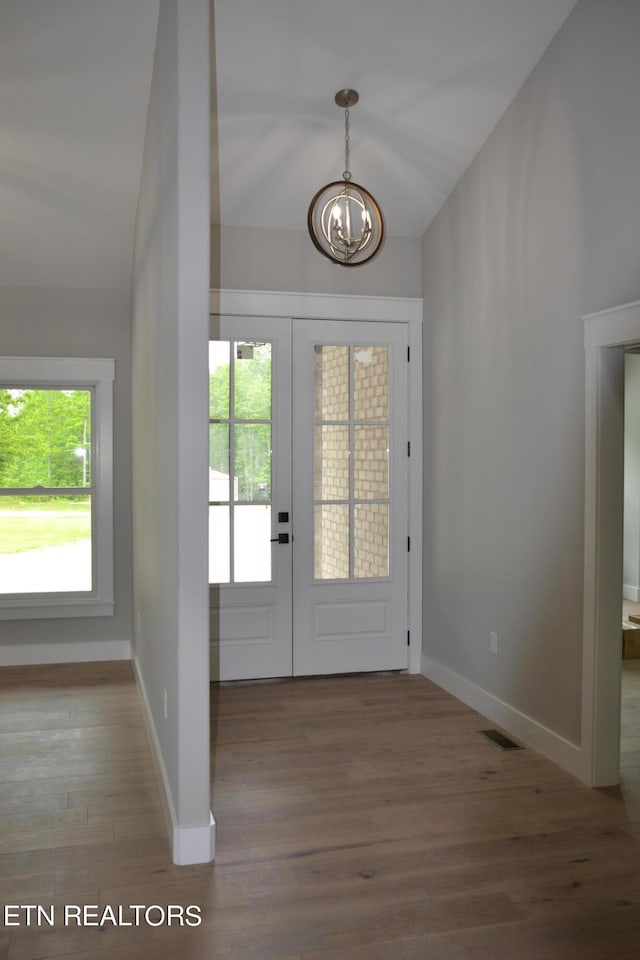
(358, 817)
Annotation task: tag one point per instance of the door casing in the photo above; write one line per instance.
(301, 307)
(607, 334)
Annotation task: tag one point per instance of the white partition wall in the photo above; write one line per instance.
(170, 334)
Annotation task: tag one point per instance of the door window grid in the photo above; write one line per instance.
(351, 534)
(241, 519)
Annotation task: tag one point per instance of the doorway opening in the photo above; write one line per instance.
(630, 680)
(308, 497)
(608, 337)
(309, 428)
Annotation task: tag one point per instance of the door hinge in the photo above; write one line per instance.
(408, 544)
(409, 448)
(408, 354)
(408, 638)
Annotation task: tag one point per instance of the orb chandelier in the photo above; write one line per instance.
(344, 220)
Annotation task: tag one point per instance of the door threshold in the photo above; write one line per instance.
(312, 676)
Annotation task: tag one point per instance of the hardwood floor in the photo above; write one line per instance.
(359, 817)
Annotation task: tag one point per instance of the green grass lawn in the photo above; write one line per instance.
(45, 525)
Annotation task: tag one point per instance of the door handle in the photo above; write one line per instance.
(281, 538)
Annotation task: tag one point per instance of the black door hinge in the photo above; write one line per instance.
(408, 544)
(408, 638)
(409, 448)
(408, 354)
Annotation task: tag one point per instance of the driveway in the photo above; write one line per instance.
(47, 570)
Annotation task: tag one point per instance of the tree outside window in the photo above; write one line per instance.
(45, 447)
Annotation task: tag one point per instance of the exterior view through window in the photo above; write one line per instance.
(240, 428)
(351, 442)
(46, 490)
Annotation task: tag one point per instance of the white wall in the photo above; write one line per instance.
(65, 322)
(631, 556)
(170, 330)
(286, 260)
(544, 227)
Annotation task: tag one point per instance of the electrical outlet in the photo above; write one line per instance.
(165, 703)
(493, 643)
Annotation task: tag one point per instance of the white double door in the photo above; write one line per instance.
(308, 480)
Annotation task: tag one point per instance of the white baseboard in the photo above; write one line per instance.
(195, 844)
(28, 654)
(567, 755)
(192, 844)
(630, 593)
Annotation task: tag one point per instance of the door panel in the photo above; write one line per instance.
(249, 486)
(350, 483)
(308, 439)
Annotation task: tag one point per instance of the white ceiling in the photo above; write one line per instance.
(433, 76)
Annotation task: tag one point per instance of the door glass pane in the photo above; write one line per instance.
(251, 542)
(371, 540)
(331, 382)
(371, 383)
(331, 541)
(331, 462)
(45, 544)
(252, 461)
(371, 463)
(239, 460)
(219, 545)
(218, 461)
(351, 461)
(219, 379)
(252, 379)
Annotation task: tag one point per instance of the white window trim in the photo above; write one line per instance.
(78, 372)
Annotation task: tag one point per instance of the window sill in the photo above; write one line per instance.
(47, 608)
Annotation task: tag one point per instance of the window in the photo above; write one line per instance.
(240, 428)
(56, 512)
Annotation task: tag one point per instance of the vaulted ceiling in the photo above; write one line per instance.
(74, 88)
(434, 76)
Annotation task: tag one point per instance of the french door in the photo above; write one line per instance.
(308, 522)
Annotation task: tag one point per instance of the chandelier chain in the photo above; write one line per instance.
(347, 154)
